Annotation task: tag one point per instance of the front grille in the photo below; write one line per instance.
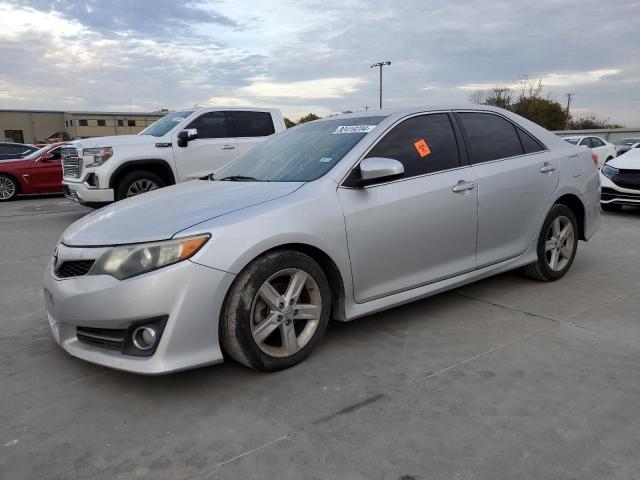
(71, 165)
(627, 179)
(110, 338)
(74, 268)
(611, 194)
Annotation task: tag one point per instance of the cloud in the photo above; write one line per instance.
(552, 80)
(313, 54)
(333, 87)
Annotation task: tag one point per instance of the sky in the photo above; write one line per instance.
(314, 56)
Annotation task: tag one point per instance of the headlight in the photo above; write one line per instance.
(609, 171)
(100, 155)
(129, 261)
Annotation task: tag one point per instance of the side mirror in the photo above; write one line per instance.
(377, 168)
(186, 135)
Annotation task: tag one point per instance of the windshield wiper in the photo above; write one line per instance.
(238, 178)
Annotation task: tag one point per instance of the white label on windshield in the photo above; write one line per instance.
(177, 119)
(354, 129)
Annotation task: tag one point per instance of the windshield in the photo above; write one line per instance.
(572, 141)
(37, 153)
(165, 124)
(300, 154)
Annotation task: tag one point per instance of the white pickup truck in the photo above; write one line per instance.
(181, 146)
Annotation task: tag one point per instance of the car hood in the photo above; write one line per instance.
(160, 214)
(627, 161)
(114, 141)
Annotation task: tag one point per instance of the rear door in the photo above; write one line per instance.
(516, 179)
(419, 228)
(214, 147)
(251, 128)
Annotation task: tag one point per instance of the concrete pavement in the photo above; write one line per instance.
(506, 378)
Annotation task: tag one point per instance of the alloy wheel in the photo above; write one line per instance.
(559, 244)
(141, 186)
(7, 188)
(286, 312)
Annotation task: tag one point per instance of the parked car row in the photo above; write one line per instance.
(336, 218)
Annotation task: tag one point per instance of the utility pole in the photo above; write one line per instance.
(569, 97)
(381, 64)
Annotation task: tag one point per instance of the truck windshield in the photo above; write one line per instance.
(166, 123)
(301, 154)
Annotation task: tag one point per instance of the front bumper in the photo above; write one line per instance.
(83, 193)
(189, 295)
(615, 194)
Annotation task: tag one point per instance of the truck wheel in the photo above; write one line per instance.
(138, 182)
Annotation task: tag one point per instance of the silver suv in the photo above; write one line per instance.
(338, 218)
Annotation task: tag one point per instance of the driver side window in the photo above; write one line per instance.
(212, 125)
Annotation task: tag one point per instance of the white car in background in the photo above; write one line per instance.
(620, 181)
(603, 150)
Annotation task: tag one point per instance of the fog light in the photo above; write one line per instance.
(144, 338)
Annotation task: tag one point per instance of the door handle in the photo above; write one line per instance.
(547, 168)
(228, 147)
(463, 186)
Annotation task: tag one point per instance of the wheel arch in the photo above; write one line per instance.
(328, 266)
(157, 166)
(577, 207)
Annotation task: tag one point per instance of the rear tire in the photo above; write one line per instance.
(557, 245)
(9, 188)
(136, 183)
(276, 311)
(611, 207)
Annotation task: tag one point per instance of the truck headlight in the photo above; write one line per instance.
(100, 155)
(130, 260)
(609, 171)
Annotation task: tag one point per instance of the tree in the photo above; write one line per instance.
(543, 111)
(496, 97)
(589, 121)
(308, 118)
(289, 123)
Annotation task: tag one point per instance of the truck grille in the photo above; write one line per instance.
(74, 268)
(71, 166)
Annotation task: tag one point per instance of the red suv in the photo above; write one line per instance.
(39, 172)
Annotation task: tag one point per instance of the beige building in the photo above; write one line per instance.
(41, 126)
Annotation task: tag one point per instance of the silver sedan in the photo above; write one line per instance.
(333, 219)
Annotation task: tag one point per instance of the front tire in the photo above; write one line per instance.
(276, 311)
(9, 188)
(557, 245)
(138, 182)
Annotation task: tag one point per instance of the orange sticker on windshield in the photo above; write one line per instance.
(422, 148)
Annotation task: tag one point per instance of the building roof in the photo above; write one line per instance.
(77, 112)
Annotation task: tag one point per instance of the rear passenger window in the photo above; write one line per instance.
(253, 124)
(212, 125)
(489, 137)
(586, 142)
(529, 144)
(423, 144)
(596, 142)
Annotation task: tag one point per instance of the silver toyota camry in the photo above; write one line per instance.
(334, 219)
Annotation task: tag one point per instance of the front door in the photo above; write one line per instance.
(419, 228)
(516, 179)
(45, 174)
(214, 147)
